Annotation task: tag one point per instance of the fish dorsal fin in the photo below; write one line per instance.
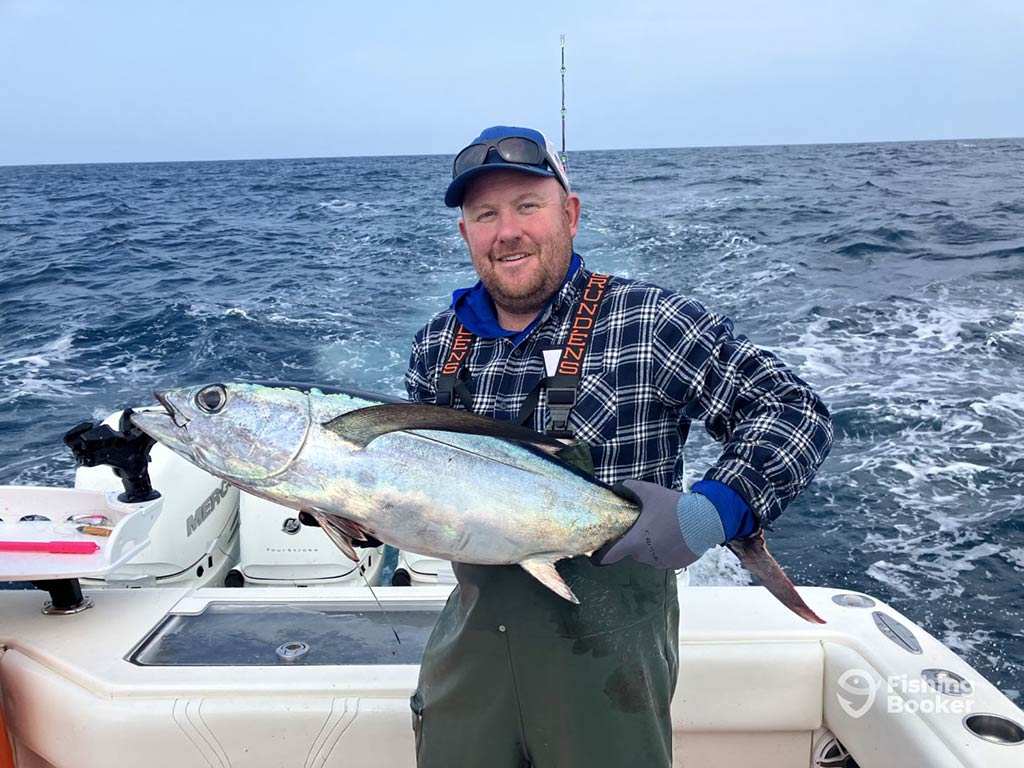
(364, 425)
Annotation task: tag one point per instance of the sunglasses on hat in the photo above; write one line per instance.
(518, 150)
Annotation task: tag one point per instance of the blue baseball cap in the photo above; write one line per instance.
(504, 146)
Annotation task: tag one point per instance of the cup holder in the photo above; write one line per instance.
(995, 728)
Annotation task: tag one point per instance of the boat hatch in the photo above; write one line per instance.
(250, 634)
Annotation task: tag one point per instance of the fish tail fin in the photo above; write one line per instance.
(545, 572)
(756, 558)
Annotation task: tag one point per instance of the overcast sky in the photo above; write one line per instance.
(99, 81)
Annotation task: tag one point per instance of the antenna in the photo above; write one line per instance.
(565, 160)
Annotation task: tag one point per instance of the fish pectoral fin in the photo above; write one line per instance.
(364, 425)
(545, 572)
(341, 531)
(350, 528)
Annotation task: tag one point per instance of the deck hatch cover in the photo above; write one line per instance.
(896, 632)
(249, 634)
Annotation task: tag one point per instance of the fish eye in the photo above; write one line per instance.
(212, 398)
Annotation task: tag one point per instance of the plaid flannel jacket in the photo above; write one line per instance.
(656, 362)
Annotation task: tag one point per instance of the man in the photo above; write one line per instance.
(513, 675)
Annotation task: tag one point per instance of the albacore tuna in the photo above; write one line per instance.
(431, 480)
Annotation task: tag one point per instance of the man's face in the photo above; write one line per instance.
(519, 229)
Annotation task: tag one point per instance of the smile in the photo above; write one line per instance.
(513, 257)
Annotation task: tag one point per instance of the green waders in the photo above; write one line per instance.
(513, 675)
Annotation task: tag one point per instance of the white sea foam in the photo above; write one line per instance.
(1016, 557)
(974, 644)
(336, 204)
(718, 567)
(716, 203)
(344, 206)
(1003, 406)
(32, 361)
(51, 352)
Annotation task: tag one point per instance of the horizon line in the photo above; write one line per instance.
(568, 152)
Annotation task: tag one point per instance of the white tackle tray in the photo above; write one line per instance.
(131, 525)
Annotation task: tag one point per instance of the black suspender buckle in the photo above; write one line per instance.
(445, 391)
(561, 392)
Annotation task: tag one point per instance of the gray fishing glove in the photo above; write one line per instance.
(674, 529)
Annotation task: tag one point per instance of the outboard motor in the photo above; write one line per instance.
(194, 542)
(416, 570)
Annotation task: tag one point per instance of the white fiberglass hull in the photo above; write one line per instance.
(757, 686)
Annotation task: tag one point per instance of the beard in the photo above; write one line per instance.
(532, 290)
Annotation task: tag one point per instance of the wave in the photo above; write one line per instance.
(863, 248)
(1016, 207)
(650, 179)
(980, 256)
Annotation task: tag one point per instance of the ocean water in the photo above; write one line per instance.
(890, 276)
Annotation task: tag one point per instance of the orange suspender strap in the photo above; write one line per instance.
(561, 387)
(451, 381)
